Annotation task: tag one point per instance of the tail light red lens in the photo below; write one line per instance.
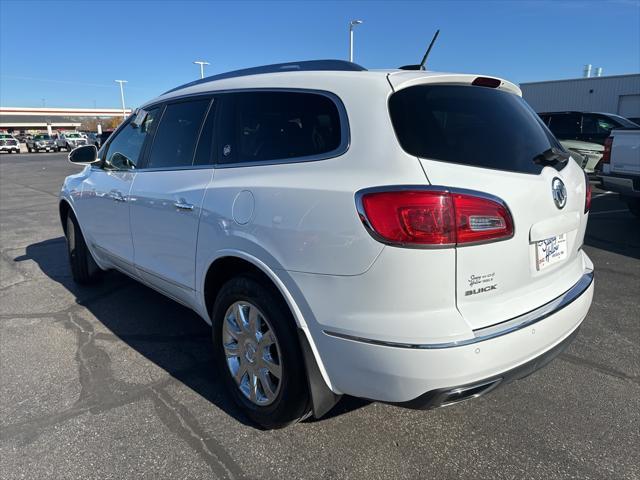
(434, 217)
(587, 198)
(606, 155)
(416, 217)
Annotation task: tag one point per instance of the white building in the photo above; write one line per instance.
(615, 94)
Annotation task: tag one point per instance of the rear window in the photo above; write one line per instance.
(470, 125)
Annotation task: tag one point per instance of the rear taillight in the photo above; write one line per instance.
(434, 217)
(587, 198)
(606, 154)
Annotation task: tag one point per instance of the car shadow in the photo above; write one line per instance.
(612, 227)
(171, 336)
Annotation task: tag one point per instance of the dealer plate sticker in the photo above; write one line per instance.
(550, 251)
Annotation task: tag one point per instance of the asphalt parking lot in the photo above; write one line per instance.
(116, 381)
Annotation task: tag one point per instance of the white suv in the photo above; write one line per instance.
(409, 237)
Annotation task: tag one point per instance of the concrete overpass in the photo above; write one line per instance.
(45, 118)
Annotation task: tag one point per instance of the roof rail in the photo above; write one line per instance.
(305, 66)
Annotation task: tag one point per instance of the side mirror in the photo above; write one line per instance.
(84, 154)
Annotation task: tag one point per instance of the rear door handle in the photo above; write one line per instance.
(183, 206)
(117, 196)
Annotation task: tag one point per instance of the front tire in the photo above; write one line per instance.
(84, 269)
(258, 354)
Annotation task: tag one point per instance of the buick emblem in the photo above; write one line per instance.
(559, 192)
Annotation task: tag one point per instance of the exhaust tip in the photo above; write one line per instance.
(457, 395)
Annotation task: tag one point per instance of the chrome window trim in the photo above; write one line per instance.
(492, 331)
(438, 188)
(345, 130)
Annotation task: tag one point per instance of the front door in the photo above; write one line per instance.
(104, 202)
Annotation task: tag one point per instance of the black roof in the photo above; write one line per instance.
(305, 66)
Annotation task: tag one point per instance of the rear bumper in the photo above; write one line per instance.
(448, 396)
(424, 375)
(627, 185)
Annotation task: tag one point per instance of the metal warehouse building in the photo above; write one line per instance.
(615, 94)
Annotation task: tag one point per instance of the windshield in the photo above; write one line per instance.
(4, 135)
(470, 125)
(72, 135)
(42, 137)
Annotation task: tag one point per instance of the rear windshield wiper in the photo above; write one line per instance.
(551, 157)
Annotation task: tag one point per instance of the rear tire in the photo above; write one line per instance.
(285, 400)
(84, 269)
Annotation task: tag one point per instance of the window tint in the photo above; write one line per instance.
(565, 125)
(469, 125)
(263, 126)
(177, 135)
(125, 148)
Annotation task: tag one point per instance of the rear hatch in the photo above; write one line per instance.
(489, 140)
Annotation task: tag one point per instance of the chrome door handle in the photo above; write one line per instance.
(183, 206)
(117, 196)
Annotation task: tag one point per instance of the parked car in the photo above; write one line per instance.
(70, 140)
(409, 237)
(41, 142)
(621, 167)
(8, 143)
(584, 126)
(588, 154)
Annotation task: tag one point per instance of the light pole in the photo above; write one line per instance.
(352, 24)
(202, 63)
(124, 110)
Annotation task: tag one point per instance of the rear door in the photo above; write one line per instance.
(166, 197)
(485, 140)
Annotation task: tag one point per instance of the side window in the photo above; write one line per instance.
(605, 125)
(564, 125)
(124, 150)
(175, 141)
(589, 124)
(264, 126)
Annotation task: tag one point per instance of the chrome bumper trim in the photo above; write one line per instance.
(493, 331)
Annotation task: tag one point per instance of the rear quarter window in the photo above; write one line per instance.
(269, 126)
(469, 125)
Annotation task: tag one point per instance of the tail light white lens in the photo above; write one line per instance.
(480, 219)
(434, 217)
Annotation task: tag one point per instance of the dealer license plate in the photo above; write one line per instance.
(550, 251)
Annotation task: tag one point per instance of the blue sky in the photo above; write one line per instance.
(67, 54)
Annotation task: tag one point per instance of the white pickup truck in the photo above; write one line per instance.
(621, 166)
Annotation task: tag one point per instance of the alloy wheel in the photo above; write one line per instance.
(252, 353)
